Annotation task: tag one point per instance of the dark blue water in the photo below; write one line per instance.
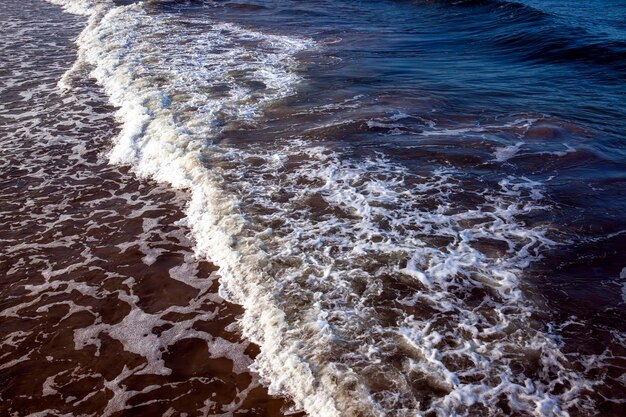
(467, 63)
(461, 64)
(562, 58)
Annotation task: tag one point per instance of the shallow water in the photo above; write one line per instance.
(419, 205)
(105, 309)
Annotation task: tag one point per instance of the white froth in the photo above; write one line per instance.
(507, 152)
(81, 7)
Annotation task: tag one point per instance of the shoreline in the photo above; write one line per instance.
(123, 306)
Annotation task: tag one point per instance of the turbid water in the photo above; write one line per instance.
(344, 208)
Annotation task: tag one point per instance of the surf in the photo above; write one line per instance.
(370, 289)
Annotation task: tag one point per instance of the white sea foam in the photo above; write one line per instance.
(81, 7)
(369, 289)
(507, 152)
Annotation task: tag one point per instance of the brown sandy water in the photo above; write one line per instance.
(104, 310)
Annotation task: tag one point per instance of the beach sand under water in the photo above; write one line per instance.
(106, 310)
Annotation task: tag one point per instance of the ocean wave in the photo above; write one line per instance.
(370, 290)
(533, 34)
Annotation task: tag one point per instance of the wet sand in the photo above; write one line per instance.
(104, 308)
